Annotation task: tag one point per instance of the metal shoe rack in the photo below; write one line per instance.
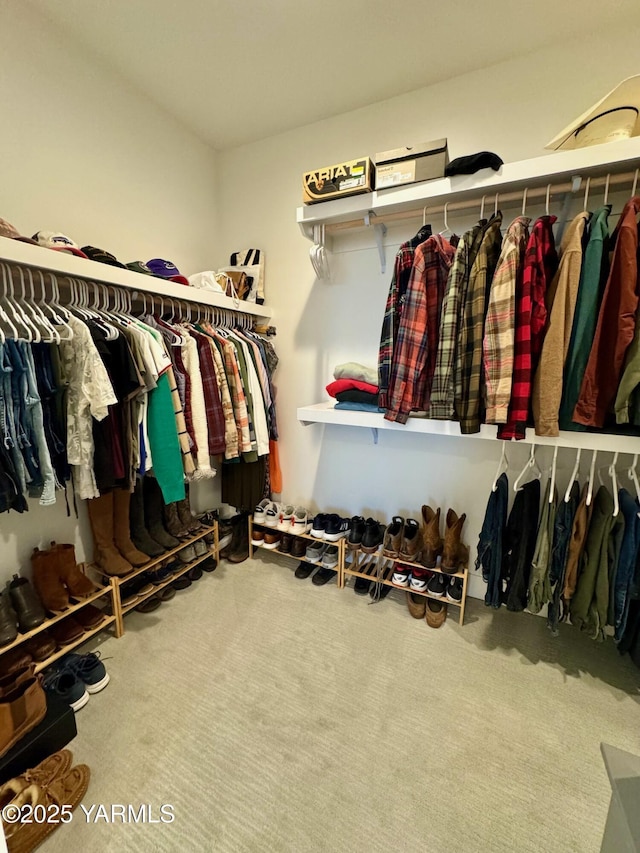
(340, 544)
(374, 567)
(378, 568)
(112, 592)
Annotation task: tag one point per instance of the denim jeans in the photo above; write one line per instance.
(626, 562)
(561, 536)
(490, 542)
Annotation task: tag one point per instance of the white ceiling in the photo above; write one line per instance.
(234, 71)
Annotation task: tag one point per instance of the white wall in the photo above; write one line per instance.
(513, 109)
(82, 153)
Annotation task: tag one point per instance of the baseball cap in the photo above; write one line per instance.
(60, 242)
(102, 256)
(166, 269)
(10, 231)
(139, 266)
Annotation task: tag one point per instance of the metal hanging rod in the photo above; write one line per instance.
(609, 180)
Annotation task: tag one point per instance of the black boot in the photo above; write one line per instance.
(139, 533)
(239, 548)
(153, 506)
(8, 620)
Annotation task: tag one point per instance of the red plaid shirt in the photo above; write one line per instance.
(540, 264)
(414, 359)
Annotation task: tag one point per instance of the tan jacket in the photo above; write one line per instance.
(547, 385)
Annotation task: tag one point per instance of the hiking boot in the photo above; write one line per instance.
(26, 604)
(356, 532)
(431, 539)
(393, 538)
(8, 620)
(410, 548)
(417, 605)
(372, 536)
(454, 554)
(46, 579)
(436, 613)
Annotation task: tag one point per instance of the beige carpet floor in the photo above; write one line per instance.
(278, 716)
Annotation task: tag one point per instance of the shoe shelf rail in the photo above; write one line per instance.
(157, 587)
(339, 543)
(379, 569)
(105, 591)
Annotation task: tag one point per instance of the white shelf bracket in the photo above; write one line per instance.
(380, 230)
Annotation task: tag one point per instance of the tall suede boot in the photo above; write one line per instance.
(184, 511)
(71, 574)
(122, 532)
(173, 522)
(454, 554)
(47, 581)
(431, 539)
(139, 534)
(106, 555)
(153, 505)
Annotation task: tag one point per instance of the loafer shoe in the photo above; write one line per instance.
(298, 548)
(167, 593)
(436, 613)
(195, 573)
(67, 631)
(89, 617)
(315, 550)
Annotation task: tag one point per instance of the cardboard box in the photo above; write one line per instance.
(411, 164)
(349, 178)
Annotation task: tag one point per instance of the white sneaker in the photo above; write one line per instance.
(260, 511)
(272, 515)
(300, 521)
(284, 522)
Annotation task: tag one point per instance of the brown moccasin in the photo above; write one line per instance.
(417, 605)
(41, 646)
(436, 613)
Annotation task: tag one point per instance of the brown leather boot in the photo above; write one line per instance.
(174, 523)
(393, 537)
(47, 581)
(431, 539)
(20, 711)
(122, 529)
(455, 554)
(75, 580)
(106, 555)
(411, 547)
(184, 511)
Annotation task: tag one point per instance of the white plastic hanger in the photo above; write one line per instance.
(614, 484)
(586, 193)
(495, 208)
(26, 310)
(524, 200)
(53, 336)
(503, 464)
(546, 201)
(631, 473)
(482, 207)
(574, 474)
(592, 471)
(424, 216)
(531, 467)
(554, 466)
(635, 183)
(606, 190)
(9, 300)
(446, 229)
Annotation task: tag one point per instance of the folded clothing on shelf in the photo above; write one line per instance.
(341, 385)
(353, 370)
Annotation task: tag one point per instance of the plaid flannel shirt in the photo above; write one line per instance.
(442, 401)
(469, 364)
(499, 327)
(415, 356)
(211, 392)
(541, 263)
(399, 282)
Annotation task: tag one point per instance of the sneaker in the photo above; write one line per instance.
(319, 525)
(259, 513)
(285, 519)
(304, 570)
(285, 543)
(272, 515)
(437, 585)
(372, 536)
(454, 590)
(419, 579)
(300, 521)
(323, 576)
(330, 557)
(401, 576)
(299, 548)
(337, 527)
(257, 537)
(89, 669)
(271, 540)
(200, 547)
(65, 684)
(187, 555)
(315, 551)
(356, 532)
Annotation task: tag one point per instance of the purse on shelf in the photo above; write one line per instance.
(235, 283)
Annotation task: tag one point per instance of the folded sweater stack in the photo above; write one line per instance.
(355, 387)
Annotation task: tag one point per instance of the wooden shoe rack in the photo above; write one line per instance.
(340, 544)
(111, 591)
(377, 567)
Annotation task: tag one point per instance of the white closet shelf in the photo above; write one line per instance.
(610, 158)
(325, 413)
(64, 264)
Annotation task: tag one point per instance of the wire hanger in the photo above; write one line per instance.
(531, 464)
(446, 229)
(503, 464)
(482, 207)
(495, 209)
(554, 466)
(424, 215)
(574, 474)
(592, 471)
